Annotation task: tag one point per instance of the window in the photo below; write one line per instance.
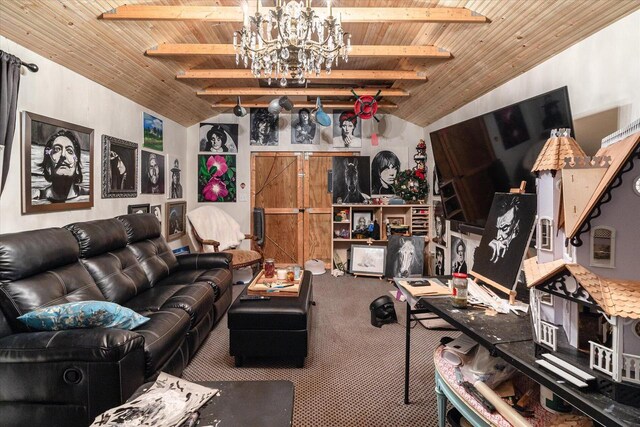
(545, 234)
(603, 241)
(546, 299)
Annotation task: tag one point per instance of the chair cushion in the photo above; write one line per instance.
(220, 279)
(82, 314)
(243, 258)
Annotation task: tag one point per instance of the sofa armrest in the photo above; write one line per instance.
(82, 345)
(206, 261)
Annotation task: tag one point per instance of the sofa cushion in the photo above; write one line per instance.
(163, 334)
(83, 315)
(24, 254)
(219, 279)
(140, 227)
(98, 237)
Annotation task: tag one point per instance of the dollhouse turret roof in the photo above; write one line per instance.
(552, 156)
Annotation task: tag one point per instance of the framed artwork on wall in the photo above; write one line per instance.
(347, 129)
(175, 176)
(176, 217)
(303, 130)
(216, 178)
(152, 132)
(458, 254)
(119, 168)
(384, 169)
(58, 165)
(139, 208)
(368, 260)
(157, 211)
(264, 127)
(218, 137)
(440, 262)
(351, 179)
(151, 173)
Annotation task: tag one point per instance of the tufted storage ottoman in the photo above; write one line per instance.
(277, 328)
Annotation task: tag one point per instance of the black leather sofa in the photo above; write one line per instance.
(66, 378)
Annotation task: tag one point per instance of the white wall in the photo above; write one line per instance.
(60, 93)
(394, 134)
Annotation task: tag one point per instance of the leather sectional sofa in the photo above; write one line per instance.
(68, 377)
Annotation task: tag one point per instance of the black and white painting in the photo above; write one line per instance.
(303, 130)
(347, 129)
(458, 254)
(350, 179)
(264, 127)
(218, 137)
(157, 211)
(175, 177)
(505, 238)
(439, 224)
(151, 173)
(384, 169)
(119, 167)
(405, 256)
(440, 261)
(58, 165)
(176, 220)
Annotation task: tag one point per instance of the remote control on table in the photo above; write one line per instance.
(254, 298)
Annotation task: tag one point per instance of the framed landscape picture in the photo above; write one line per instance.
(152, 132)
(368, 260)
(119, 168)
(176, 217)
(58, 165)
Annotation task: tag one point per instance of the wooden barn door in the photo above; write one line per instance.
(293, 190)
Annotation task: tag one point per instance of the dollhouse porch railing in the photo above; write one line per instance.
(631, 368)
(602, 359)
(548, 334)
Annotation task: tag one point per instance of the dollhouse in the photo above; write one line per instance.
(584, 282)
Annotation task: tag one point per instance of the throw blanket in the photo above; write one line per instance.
(213, 223)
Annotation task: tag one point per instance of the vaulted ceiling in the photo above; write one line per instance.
(516, 36)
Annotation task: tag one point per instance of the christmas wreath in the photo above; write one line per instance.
(411, 185)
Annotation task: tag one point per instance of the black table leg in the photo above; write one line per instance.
(407, 350)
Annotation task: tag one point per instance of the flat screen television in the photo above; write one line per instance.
(494, 152)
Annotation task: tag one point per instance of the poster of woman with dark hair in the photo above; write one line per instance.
(219, 137)
(264, 127)
(303, 130)
(384, 169)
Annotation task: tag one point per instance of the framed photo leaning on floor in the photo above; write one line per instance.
(368, 260)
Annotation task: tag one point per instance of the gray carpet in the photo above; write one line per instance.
(354, 374)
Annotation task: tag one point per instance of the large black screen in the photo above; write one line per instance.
(494, 152)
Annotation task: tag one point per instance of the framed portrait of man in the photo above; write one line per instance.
(303, 130)
(174, 185)
(58, 165)
(119, 168)
(151, 173)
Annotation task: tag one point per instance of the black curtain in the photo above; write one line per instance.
(9, 84)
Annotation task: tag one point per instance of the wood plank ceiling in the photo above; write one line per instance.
(520, 35)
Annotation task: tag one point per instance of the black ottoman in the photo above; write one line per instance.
(277, 328)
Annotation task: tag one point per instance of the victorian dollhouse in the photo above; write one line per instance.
(584, 282)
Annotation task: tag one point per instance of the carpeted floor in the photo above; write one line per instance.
(354, 374)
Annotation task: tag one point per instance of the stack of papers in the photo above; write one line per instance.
(424, 287)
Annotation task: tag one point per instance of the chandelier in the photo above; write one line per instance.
(290, 41)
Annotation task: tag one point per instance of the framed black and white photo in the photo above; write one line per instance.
(176, 216)
(351, 179)
(119, 168)
(347, 129)
(458, 254)
(264, 127)
(303, 130)
(505, 239)
(218, 137)
(58, 165)
(157, 211)
(139, 208)
(174, 178)
(440, 262)
(406, 256)
(439, 224)
(151, 173)
(385, 166)
(368, 260)
(361, 220)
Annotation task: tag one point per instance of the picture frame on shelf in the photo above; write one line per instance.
(368, 260)
(58, 165)
(361, 220)
(396, 220)
(139, 208)
(119, 168)
(176, 220)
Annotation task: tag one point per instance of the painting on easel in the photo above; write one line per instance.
(505, 238)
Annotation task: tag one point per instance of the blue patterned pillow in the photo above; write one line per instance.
(83, 314)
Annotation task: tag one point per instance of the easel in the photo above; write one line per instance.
(477, 277)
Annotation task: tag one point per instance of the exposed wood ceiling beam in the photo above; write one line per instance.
(347, 14)
(168, 49)
(335, 75)
(298, 104)
(267, 91)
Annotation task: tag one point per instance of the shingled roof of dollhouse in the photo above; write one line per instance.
(619, 153)
(552, 156)
(615, 297)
